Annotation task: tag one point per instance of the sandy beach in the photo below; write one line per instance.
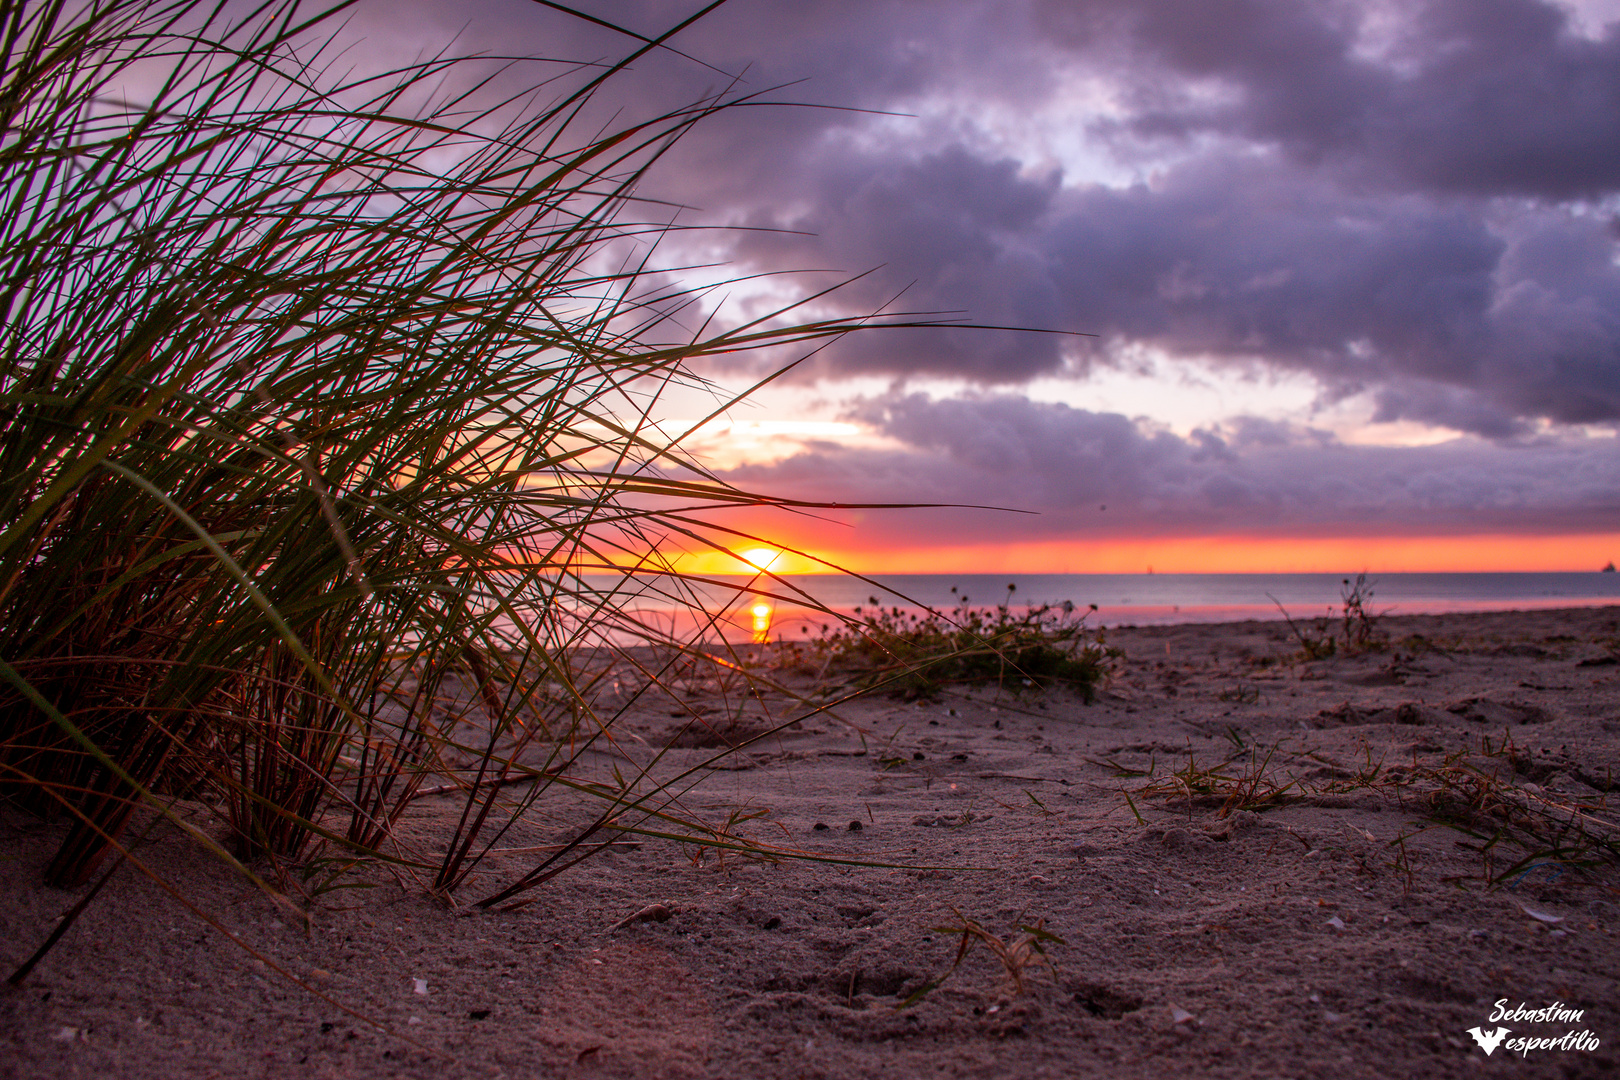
(1248, 865)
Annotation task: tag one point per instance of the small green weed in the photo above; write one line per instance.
(1401, 863)
(1017, 955)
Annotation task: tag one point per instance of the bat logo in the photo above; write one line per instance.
(1487, 1040)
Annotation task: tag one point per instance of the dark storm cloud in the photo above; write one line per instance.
(1479, 321)
(952, 234)
(1252, 476)
(1484, 96)
(1378, 194)
(1363, 248)
(1458, 320)
(1479, 96)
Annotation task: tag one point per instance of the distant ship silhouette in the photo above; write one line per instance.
(1608, 568)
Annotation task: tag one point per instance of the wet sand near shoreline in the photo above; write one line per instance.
(1248, 865)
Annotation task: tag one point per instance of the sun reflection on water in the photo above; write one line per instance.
(762, 612)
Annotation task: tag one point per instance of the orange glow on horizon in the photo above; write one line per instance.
(752, 560)
(1199, 555)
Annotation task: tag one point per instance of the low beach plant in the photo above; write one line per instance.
(1480, 793)
(1243, 780)
(1515, 826)
(1358, 626)
(1018, 953)
(916, 653)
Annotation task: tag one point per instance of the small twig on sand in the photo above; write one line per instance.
(650, 913)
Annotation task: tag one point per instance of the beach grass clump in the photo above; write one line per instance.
(917, 654)
(1515, 825)
(327, 466)
(1244, 780)
(1358, 626)
(1480, 793)
(1019, 955)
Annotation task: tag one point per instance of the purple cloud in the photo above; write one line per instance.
(1251, 476)
(1478, 96)
(1412, 200)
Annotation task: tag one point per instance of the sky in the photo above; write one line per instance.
(1348, 267)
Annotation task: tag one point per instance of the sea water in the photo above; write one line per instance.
(794, 606)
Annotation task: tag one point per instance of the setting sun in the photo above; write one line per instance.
(761, 558)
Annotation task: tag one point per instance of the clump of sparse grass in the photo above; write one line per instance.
(1513, 826)
(325, 440)
(1477, 793)
(1018, 954)
(1243, 780)
(917, 654)
(1358, 626)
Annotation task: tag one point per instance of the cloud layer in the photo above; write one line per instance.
(1416, 200)
(1096, 475)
